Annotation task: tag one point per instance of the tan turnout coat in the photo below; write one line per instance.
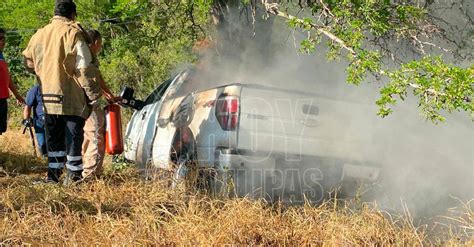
(51, 54)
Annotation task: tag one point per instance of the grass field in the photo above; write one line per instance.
(123, 209)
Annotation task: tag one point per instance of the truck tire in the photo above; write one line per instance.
(187, 175)
(186, 172)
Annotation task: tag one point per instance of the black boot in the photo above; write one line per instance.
(54, 175)
(72, 177)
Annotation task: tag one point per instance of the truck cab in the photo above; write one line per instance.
(263, 140)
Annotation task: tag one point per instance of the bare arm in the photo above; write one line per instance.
(106, 90)
(27, 112)
(15, 92)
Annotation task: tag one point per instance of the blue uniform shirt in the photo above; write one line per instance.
(34, 99)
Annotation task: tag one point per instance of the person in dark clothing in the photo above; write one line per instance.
(34, 103)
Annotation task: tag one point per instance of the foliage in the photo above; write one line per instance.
(159, 42)
(391, 42)
(370, 34)
(143, 40)
(22, 17)
(439, 86)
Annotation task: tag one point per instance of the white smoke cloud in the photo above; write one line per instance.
(424, 164)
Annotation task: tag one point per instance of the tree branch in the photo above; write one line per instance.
(272, 8)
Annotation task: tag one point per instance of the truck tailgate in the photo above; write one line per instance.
(290, 122)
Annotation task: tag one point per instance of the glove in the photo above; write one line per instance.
(27, 122)
(94, 103)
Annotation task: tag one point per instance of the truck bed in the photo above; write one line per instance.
(295, 123)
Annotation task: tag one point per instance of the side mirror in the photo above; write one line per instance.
(129, 101)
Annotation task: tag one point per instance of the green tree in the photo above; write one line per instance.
(369, 34)
(146, 40)
(423, 48)
(143, 40)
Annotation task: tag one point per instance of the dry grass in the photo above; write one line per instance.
(123, 209)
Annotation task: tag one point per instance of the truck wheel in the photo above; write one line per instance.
(189, 176)
(182, 170)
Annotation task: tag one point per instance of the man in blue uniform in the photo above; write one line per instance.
(34, 102)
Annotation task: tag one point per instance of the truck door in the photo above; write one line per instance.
(158, 101)
(142, 123)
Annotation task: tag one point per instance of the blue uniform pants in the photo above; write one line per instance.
(40, 136)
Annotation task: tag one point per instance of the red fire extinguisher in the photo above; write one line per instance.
(113, 130)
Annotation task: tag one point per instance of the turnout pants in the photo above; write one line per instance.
(65, 135)
(93, 147)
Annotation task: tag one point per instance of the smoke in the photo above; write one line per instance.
(423, 164)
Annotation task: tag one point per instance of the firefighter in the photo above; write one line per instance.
(59, 56)
(93, 148)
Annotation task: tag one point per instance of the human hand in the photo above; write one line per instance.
(94, 103)
(20, 100)
(112, 99)
(27, 122)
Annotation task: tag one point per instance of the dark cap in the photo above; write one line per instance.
(64, 8)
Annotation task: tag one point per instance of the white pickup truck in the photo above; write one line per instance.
(265, 141)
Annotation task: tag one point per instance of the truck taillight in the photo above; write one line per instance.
(227, 112)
